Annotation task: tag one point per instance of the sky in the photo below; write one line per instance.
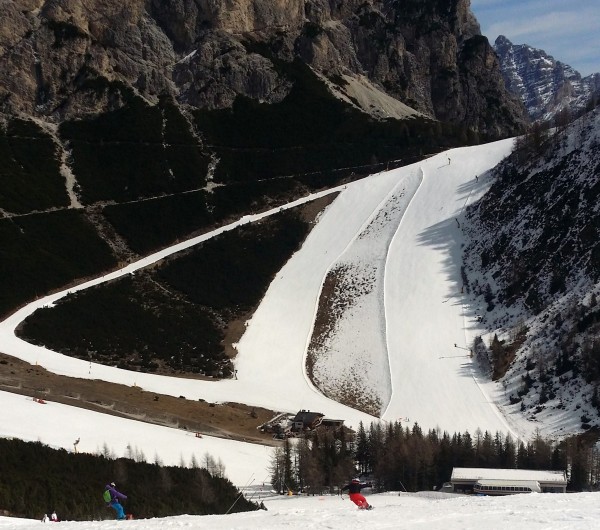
(566, 29)
(397, 511)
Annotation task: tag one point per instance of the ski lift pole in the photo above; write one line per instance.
(247, 485)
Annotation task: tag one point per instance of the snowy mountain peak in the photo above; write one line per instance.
(546, 86)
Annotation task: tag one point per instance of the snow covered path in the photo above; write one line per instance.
(284, 321)
(424, 511)
(429, 331)
(431, 380)
(272, 374)
(58, 426)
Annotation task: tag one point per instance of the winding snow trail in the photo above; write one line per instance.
(431, 380)
(270, 370)
(350, 356)
(429, 334)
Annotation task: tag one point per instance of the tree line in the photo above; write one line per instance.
(402, 458)
(36, 479)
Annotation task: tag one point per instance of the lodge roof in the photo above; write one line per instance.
(483, 473)
(307, 417)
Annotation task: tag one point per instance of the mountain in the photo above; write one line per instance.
(205, 54)
(546, 86)
(127, 127)
(534, 262)
(390, 245)
(384, 293)
(437, 313)
(183, 213)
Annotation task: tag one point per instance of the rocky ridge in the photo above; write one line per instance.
(206, 53)
(546, 86)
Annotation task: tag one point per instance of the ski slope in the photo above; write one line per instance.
(423, 511)
(429, 329)
(407, 332)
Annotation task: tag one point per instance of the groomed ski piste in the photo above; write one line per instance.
(420, 511)
(407, 335)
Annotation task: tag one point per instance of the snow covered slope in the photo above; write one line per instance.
(427, 511)
(535, 256)
(404, 225)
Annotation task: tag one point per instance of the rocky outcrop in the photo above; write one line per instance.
(205, 53)
(546, 86)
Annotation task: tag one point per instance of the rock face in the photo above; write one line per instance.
(429, 55)
(546, 86)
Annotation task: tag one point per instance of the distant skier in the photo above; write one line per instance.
(112, 496)
(54, 517)
(354, 487)
(45, 519)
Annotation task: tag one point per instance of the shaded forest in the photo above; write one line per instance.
(37, 479)
(402, 458)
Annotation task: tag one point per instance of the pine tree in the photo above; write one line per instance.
(288, 469)
(277, 470)
(362, 455)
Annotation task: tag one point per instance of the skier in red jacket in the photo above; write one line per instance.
(356, 496)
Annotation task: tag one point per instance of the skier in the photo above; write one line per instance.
(54, 517)
(112, 496)
(356, 496)
(45, 519)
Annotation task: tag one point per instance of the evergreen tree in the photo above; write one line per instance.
(289, 477)
(277, 470)
(523, 460)
(376, 445)
(45, 479)
(362, 455)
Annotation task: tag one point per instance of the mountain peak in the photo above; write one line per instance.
(501, 40)
(545, 86)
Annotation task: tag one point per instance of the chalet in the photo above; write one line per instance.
(305, 420)
(464, 480)
(287, 425)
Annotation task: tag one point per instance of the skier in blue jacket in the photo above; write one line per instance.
(115, 496)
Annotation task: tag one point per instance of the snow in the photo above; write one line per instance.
(426, 511)
(420, 370)
(361, 365)
(58, 426)
(398, 230)
(507, 474)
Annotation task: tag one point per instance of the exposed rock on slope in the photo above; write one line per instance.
(427, 55)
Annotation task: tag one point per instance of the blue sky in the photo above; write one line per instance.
(569, 30)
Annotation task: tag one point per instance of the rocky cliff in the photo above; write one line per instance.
(126, 125)
(546, 86)
(428, 55)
